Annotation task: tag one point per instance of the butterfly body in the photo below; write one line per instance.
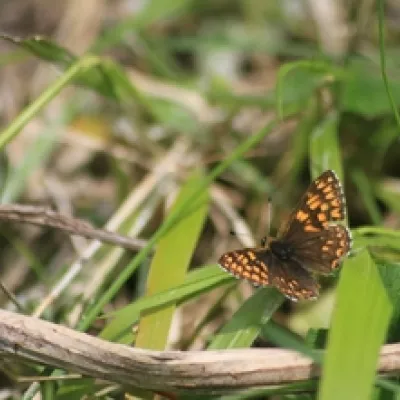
(282, 250)
(310, 243)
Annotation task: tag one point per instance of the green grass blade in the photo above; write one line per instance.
(381, 18)
(169, 223)
(34, 108)
(365, 188)
(324, 147)
(291, 390)
(376, 237)
(197, 282)
(246, 323)
(358, 330)
(43, 48)
(389, 196)
(390, 274)
(169, 265)
(286, 339)
(36, 155)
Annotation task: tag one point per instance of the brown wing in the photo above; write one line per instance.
(323, 252)
(261, 267)
(323, 202)
(294, 281)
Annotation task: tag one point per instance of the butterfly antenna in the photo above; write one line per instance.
(269, 215)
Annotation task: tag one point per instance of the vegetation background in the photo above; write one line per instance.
(174, 122)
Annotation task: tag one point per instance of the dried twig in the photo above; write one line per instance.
(223, 371)
(46, 217)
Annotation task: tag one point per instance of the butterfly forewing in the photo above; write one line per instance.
(323, 253)
(322, 202)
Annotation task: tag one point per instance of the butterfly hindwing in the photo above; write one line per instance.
(261, 267)
(290, 278)
(250, 264)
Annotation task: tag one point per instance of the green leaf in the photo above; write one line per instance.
(43, 48)
(297, 81)
(324, 147)
(364, 91)
(245, 325)
(96, 78)
(169, 265)
(359, 326)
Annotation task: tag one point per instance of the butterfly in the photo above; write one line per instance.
(308, 244)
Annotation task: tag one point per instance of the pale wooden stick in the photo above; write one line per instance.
(32, 339)
(44, 216)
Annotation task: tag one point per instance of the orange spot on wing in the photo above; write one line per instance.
(313, 198)
(311, 228)
(301, 216)
(336, 213)
(324, 207)
(335, 203)
(322, 217)
(315, 204)
(339, 252)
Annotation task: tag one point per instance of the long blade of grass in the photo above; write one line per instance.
(169, 223)
(246, 323)
(359, 326)
(381, 18)
(374, 236)
(284, 338)
(36, 155)
(324, 147)
(82, 65)
(365, 188)
(196, 282)
(168, 268)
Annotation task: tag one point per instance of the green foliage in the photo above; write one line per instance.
(169, 265)
(358, 330)
(246, 323)
(341, 116)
